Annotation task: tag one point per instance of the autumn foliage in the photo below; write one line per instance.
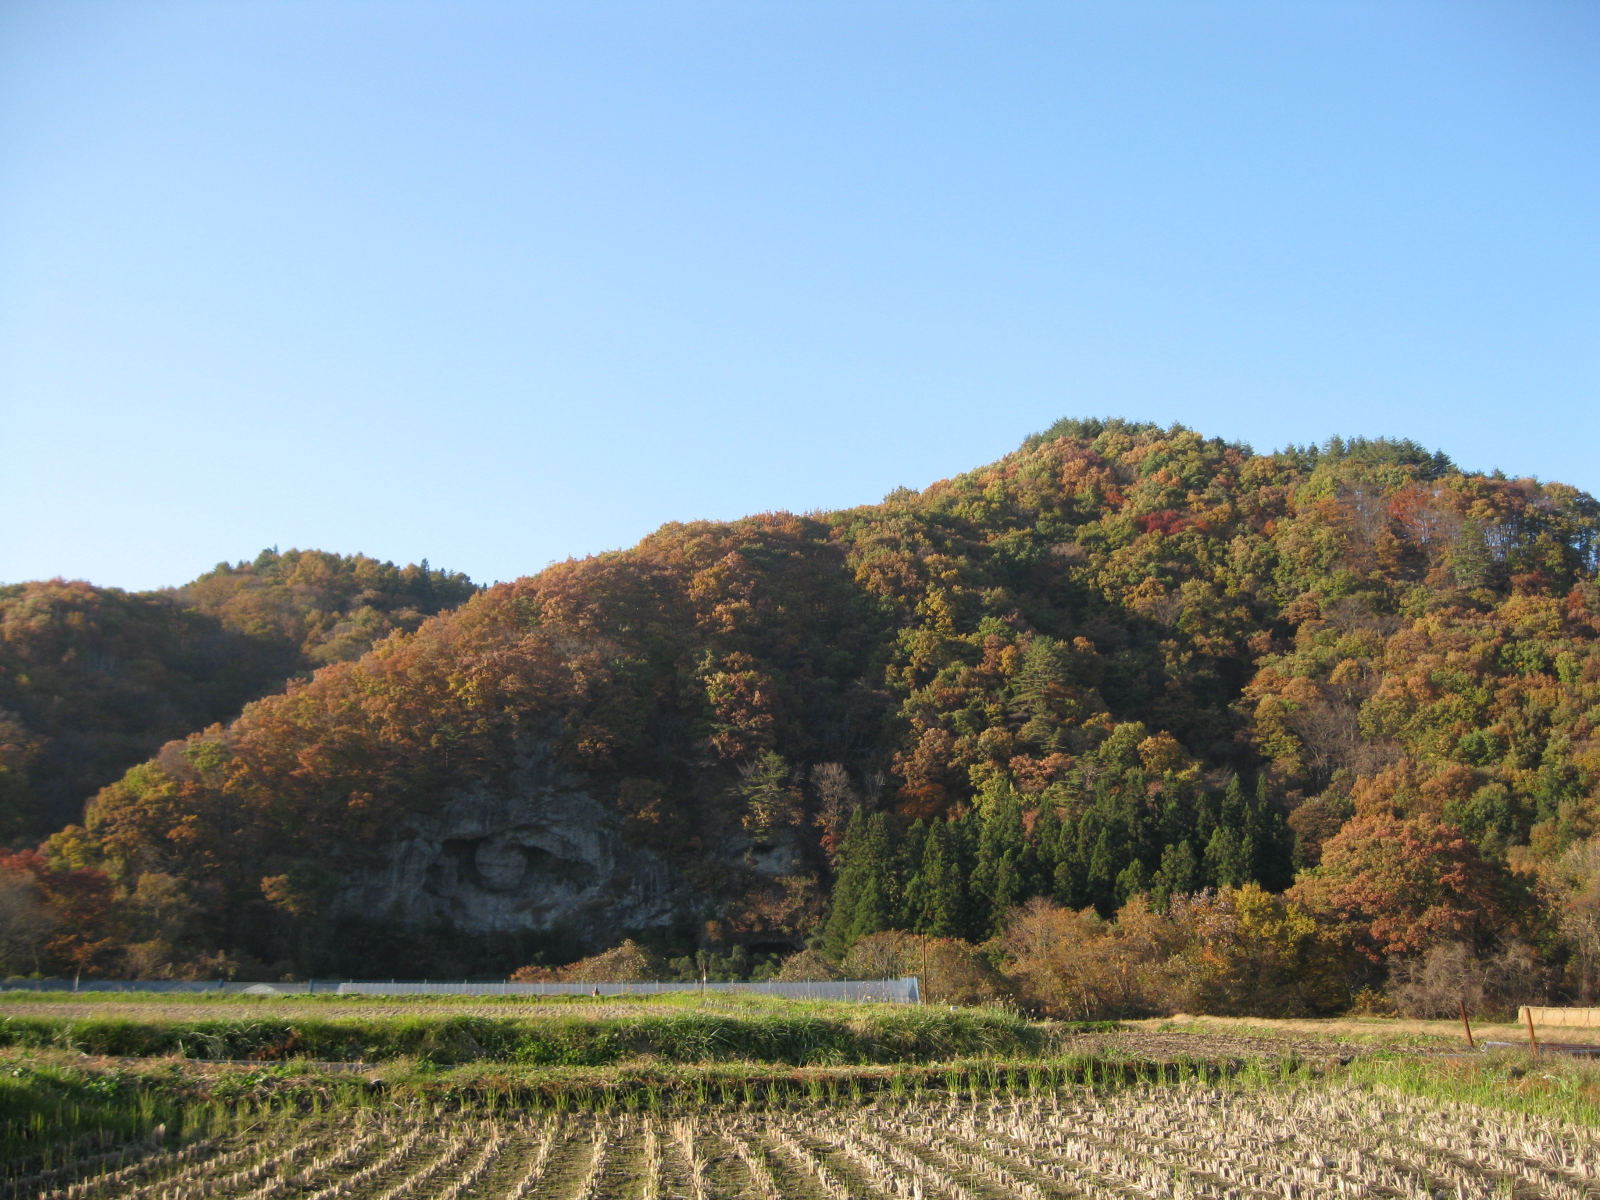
(1123, 666)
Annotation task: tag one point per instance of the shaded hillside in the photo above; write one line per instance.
(93, 680)
(1122, 660)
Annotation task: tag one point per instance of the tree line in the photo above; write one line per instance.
(1123, 666)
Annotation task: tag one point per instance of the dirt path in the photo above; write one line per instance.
(1358, 1035)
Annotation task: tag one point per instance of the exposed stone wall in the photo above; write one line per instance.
(537, 852)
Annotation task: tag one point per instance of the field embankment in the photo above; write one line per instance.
(879, 1035)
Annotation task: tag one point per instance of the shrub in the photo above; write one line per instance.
(627, 963)
(805, 966)
(1237, 951)
(1452, 974)
(1073, 965)
(949, 970)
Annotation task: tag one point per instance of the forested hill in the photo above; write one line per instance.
(1122, 660)
(94, 680)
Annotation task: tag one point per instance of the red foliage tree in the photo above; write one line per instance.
(1403, 886)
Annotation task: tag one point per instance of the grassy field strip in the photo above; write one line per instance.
(651, 1171)
(1534, 1143)
(589, 1183)
(475, 1170)
(1285, 1157)
(1287, 1126)
(1163, 1160)
(978, 1153)
(1155, 1166)
(1167, 1156)
(891, 1169)
(980, 1166)
(846, 1169)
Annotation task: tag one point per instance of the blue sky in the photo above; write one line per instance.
(495, 284)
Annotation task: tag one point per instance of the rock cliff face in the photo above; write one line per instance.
(537, 852)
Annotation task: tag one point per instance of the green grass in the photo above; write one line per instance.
(1546, 1085)
(725, 1002)
(880, 1035)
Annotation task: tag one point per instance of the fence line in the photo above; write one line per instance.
(888, 991)
(1585, 1018)
(892, 991)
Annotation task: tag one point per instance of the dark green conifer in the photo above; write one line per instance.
(1132, 880)
(1227, 857)
(937, 894)
(866, 894)
(1002, 873)
(1179, 873)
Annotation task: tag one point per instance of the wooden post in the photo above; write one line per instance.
(1533, 1042)
(1467, 1025)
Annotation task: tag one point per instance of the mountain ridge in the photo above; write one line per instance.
(1121, 661)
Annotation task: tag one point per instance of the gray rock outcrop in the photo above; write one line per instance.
(536, 852)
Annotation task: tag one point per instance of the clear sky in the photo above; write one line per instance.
(495, 284)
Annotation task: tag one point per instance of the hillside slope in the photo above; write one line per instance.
(1141, 660)
(94, 680)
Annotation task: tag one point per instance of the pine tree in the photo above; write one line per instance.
(846, 886)
(866, 893)
(878, 899)
(1227, 857)
(1179, 874)
(1132, 880)
(1046, 844)
(1233, 804)
(1103, 871)
(1272, 841)
(1000, 876)
(937, 893)
(1071, 871)
(770, 800)
(911, 855)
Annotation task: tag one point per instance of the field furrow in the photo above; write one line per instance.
(1182, 1142)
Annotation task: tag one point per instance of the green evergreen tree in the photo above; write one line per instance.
(1179, 873)
(846, 886)
(866, 892)
(1233, 809)
(937, 894)
(1204, 821)
(878, 903)
(1000, 876)
(1132, 880)
(1102, 874)
(1069, 878)
(1045, 841)
(1272, 841)
(770, 800)
(1227, 857)
(911, 856)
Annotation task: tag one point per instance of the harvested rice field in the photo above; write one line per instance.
(1162, 1142)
